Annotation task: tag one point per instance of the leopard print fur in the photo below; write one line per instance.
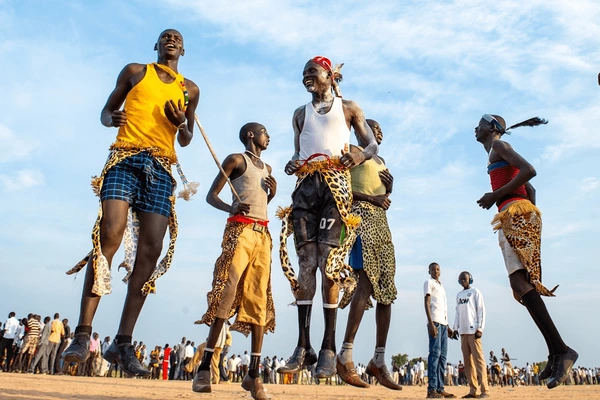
(130, 241)
(336, 269)
(521, 223)
(379, 260)
(102, 272)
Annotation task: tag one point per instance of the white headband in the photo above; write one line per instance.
(492, 120)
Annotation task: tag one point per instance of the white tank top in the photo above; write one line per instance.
(252, 189)
(324, 133)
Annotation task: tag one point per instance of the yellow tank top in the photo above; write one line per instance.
(147, 125)
(365, 178)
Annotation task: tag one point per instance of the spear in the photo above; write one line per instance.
(212, 151)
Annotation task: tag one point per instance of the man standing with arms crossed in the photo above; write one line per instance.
(321, 206)
(469, 323)
(436, 310)
(159, 107)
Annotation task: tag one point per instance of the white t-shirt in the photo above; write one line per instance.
(438, 305)
(11, 325)
(245, 359)
(189, 351)
(470, 312)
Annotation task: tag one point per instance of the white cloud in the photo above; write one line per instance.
(15, 147)
(23, 179)
(589, 184)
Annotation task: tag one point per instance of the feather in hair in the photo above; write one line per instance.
(337, 78)
(535, 121)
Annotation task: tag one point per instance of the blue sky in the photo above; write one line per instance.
(425, 70)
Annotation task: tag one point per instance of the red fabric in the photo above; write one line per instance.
(244, 220)
(165, 366)
(500, 177)
(323, 62)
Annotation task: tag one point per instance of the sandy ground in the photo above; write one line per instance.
(25, 386)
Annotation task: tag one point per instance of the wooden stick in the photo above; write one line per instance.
(212, 151)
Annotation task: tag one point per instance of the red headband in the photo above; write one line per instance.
(322, 61)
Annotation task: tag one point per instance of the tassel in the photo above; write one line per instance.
(189, 188)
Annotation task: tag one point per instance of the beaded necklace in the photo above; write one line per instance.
(175, 75)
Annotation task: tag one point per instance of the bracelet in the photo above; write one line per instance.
(181, 126)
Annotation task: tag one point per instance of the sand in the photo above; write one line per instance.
(26, 386)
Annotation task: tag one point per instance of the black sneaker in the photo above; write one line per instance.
(561, 367)
(79, 349)
(124, 355)
(547, 371)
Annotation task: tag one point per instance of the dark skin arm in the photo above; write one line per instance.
(382, 200)
(131, 75)
(234, 166)
(430, 325)
(177, 116)
(504, 151)
(111, 114)
(271, 185)
(364, 135)
(297, 123)
(530, 192)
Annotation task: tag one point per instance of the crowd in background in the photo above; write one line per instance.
(34, 345)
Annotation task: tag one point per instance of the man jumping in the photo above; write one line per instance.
(136, 185)
(321, 217)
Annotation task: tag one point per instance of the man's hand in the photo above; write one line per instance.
(271, 184)
(241, 208)
(118, 118)
(387, 179)
(433, 331)
(487, 200)
(478, 334)
(381, 200)
(175, 113)
(350, 159)
(291, 167)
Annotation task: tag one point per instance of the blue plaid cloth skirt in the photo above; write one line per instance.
(141, 181)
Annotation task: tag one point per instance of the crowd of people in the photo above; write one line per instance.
(33, 345)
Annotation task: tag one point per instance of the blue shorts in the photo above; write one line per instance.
(141, 181)
(356, 256)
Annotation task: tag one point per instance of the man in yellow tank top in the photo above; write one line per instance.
(159, 106)
(374, 262)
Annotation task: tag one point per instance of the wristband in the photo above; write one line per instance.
(181, 126)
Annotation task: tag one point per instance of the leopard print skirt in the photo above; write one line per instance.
(521, 223)
(379, 260)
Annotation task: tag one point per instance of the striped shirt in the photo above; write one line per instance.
(33, 327)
